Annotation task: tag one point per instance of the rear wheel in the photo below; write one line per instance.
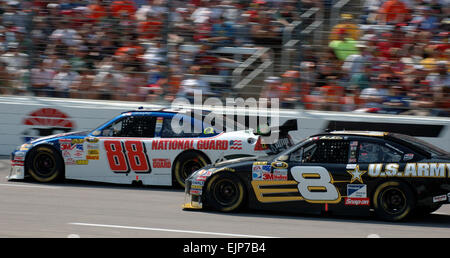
(225, 192)
(44, 164)
(393, 201)
(187, 164)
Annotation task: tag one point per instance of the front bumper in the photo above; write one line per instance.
(17, 171)
(193, 195)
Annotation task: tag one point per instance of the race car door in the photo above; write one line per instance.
(119, 153)
(318, 167)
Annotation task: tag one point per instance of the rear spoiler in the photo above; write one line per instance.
(289, 125)
(283, 140)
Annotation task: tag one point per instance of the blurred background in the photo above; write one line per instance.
(377, 56)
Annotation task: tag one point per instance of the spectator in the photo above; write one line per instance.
(396, 102)
(344, 45)
(41, 78)
(66, 34)
(290, 91)
(375, 94)
(348, 25)
(97, 10)
(192, 84)
(5, 80)
(440, 76)
(84, 88)
(64, 81)
(331, 95)
(392, 12)
(123, 9)
(272, 88)
(108, 82)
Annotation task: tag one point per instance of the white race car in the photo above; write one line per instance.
(138, 147)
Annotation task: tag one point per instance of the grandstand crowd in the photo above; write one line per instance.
(383, 56)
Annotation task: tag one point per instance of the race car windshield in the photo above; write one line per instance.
(281, 155)
(421, 144)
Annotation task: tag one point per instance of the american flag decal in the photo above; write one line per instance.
(236, 144)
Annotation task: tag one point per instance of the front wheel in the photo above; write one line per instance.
(187, 164)
(44, 165)
(393, 201)
(225, 192)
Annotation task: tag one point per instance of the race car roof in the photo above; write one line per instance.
(167, 110)
(363, 133)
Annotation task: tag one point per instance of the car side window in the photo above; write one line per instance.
(329, 151)
(168, 132)
(371, 152)
(132, 126)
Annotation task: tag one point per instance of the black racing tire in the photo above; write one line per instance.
(45, 165)
(393, 201)
(186, 164)
(225, 192)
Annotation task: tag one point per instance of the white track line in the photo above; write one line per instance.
(30, 186)
(169, 230)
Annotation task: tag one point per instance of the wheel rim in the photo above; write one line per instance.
(190, 167)
(394, 201)
(226, 192)
(44, 164)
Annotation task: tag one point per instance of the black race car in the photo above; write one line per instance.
(350, 172)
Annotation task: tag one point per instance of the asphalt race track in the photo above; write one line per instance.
(80, 209)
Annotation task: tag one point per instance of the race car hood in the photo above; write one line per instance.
(78, 134)
(240, 161)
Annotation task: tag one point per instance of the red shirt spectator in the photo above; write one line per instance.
(149, 29)
(97, 11)
(118, 8)
(393, 11)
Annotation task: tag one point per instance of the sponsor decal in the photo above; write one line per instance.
(408, 156)
(25, 147)
(92, 139)
(158, 126)
(46, 121)
(17, 163)
(172, 144)
(440, 198)
(357, 201)
(161, 163)
(261, 172)
(260, 163)
(196, 192)
(280, 164)
(77, 141)
(279, 174)
(356, 174)
(429, 170)
(235, 145)
(257, 175)
(82, 162)
(71, 152)
(213, 145)
(357, 190)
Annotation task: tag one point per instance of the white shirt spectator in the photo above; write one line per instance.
(189, 86)
(64, 80)
(69, 37)
(42, 76)
(14, 60)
